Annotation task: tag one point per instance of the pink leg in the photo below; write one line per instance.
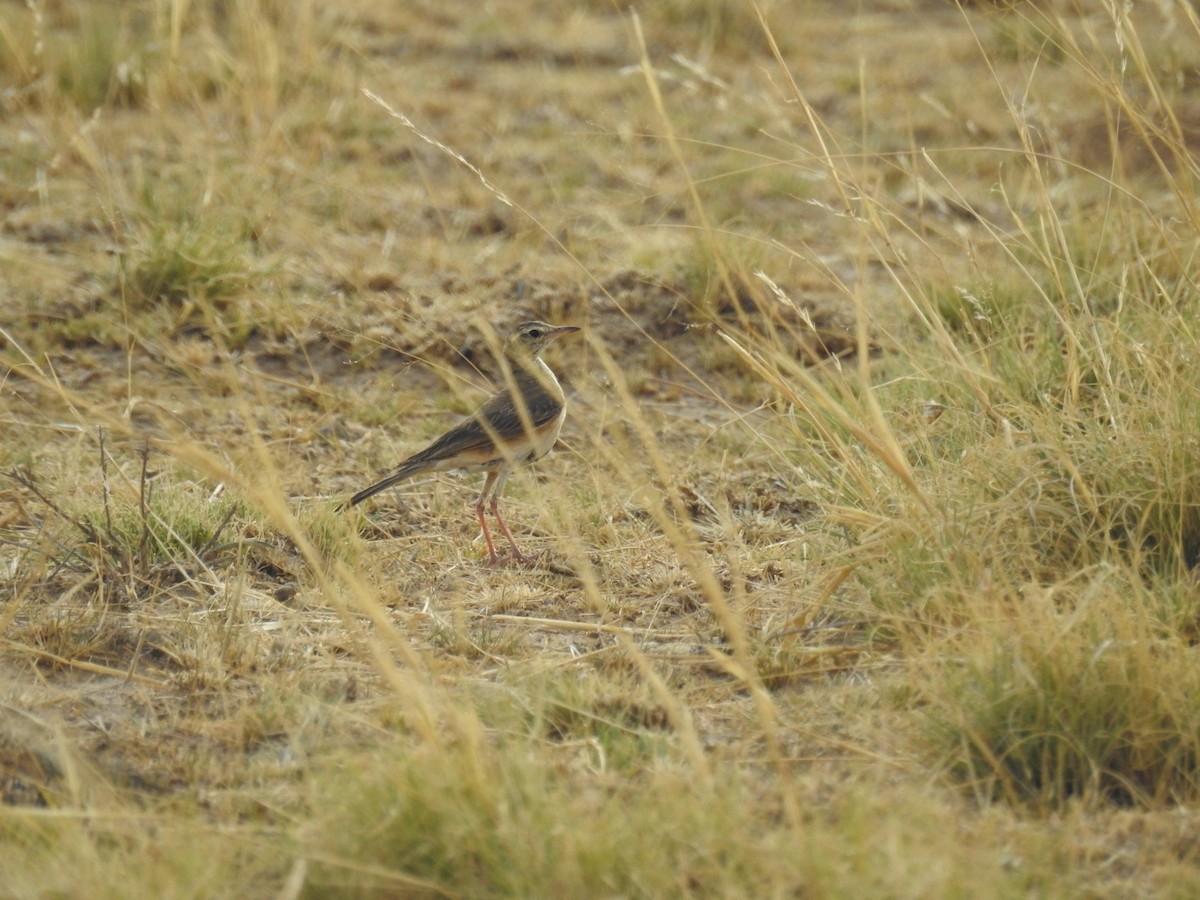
(493, 559)
(517, 555)
(488, 485)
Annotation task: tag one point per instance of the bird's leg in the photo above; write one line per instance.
(517, 555)
(489, 484)
(489, 497)
(493, 559)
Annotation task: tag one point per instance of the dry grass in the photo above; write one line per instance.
(871, 544)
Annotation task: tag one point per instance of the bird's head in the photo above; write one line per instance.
(531, 338)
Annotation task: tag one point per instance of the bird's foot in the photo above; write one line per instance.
(515, 558)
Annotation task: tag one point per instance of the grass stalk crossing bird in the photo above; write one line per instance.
(518, 425)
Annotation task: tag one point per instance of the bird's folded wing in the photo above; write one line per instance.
(503, 424)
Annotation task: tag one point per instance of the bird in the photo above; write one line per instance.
(517, 425)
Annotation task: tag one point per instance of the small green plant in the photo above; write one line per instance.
(101, 58)
(626, 729)
(170, 527)
(172, 264)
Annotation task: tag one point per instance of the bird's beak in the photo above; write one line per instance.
(561, 330)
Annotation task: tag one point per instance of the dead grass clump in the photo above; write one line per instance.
(82, 55)
(510, 818)
(1080, 691)
(59, 854)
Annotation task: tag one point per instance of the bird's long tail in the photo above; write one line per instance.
(401, 474)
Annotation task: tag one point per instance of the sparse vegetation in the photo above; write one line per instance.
(873, 536)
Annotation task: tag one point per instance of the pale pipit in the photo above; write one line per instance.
(518, 425)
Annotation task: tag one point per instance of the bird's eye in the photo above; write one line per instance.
(534, 333)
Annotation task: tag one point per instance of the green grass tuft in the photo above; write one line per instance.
(1088, 693)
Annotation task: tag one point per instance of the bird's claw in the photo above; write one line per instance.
(515, 558)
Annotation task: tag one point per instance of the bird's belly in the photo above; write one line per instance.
(543, 441)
